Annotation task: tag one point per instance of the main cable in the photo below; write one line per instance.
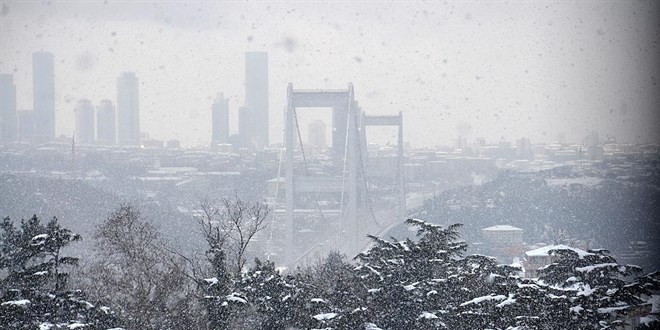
(302, 149)
(366, 186)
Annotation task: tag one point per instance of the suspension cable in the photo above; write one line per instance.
(366, 186)
(343, 173)
(277, 184)
(302, 149)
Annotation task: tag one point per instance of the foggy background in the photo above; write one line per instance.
(533, 126)
(547, 70)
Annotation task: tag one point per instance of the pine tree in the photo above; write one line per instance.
(405, 281)
(34, 291)
(600, 293)
(219, 301)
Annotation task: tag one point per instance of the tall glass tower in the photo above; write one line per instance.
(43, 80)
(106, 127)
(128, 109)
(256, 99)
(85, 121)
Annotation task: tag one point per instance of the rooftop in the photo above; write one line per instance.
(544, 251)
(502, 228)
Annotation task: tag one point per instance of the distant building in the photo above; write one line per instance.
(128, 109)
(316, 131)
(256, 98)
(106, 123)
(461, 143)
(8, 116)
(174, 143)
(480, 141)
(85, 121)
(220, 120)
(43, 80)
(524, 149)
(26, 126)
(151, 143)
(503, 241)
(503, 234)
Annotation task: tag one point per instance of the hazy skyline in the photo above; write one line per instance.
(491, 69)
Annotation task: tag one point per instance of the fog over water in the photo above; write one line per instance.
(546, 70)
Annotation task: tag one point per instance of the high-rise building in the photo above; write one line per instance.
(244, 126)
(26, 126)
(8, 119)
(316, 131)
(220, 120)
(524, 149)
(128, 109)
(256, 98)
(461, 143)
(106, 127)
(85, 121)
(43, 82)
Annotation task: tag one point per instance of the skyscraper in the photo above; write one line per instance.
(43, 82)
(128, 109)
(256, 98)
(8, 117)
(85, 121)
(106, 127)
(244, 127)
(220, 120)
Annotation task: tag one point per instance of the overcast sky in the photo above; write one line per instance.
(500, 70)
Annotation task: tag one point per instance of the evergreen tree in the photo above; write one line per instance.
(599, 293)
(405, 281)
(34, 292)
(218, 300)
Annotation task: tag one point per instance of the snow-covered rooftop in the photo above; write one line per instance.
(502, 228)
(544, 251)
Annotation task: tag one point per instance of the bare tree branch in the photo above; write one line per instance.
(229, 225)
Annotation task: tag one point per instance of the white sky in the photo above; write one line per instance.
(501, 70)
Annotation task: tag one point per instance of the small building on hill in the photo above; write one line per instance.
(504, 242)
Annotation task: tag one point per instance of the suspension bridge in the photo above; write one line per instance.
(335, 208)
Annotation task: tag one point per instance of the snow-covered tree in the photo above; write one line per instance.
(34, 292)
(427, 283)
(279, 301)
(404, 283)
(597, 292)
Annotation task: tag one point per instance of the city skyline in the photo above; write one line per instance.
(563, 70)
